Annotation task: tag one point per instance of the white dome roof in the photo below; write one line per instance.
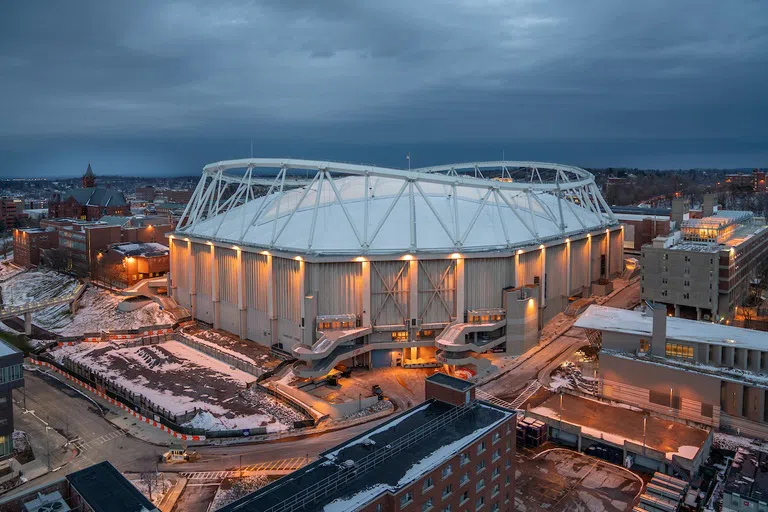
(332, 216)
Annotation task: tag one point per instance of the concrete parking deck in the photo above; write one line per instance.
(617, 423)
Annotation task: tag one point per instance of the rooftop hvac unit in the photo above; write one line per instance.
(52, 502)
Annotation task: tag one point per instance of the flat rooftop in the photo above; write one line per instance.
(614, 425)
(450, 382)
(140, 249)
(367, 481)
(636, 322)
(6, 349)
(747, 476)
(106, 490)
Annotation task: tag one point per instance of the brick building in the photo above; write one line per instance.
(84, 240)
(129, 262)
(11, 377)
(11, 212)
(89, 202)
(452, 452)
(27, 244)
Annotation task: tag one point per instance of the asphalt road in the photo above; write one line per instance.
(79, 420)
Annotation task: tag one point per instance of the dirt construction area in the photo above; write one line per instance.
(561, 480)
(181, 380)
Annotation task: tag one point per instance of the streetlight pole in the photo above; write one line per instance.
(560, 429)
(645, 420)
(241, 466)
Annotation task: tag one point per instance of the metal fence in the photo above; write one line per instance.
(222, 356)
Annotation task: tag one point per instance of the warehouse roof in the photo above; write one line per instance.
(637, 322)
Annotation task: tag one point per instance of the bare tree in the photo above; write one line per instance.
(149, 475)
(6, 244)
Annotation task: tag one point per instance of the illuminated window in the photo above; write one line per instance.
(426, 334)
(644, 346)
(679, 350)
(400, 336)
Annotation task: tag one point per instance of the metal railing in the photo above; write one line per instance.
(344, 475)
(220, 355)
(6, 311)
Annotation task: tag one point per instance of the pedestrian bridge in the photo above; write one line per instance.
(26, 309)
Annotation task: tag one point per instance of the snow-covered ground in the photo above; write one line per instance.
(7, 269)
(181, 379)
(97, 309)
(732, 442)
(234, 489)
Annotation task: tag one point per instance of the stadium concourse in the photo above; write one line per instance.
(367, 266)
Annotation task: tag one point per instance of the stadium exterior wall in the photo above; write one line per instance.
(259, 295)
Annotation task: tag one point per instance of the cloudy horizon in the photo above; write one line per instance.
(149, 88)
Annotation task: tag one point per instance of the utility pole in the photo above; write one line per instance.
(48, 446)
(241, 466)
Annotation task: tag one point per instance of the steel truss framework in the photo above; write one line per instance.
(227, 185)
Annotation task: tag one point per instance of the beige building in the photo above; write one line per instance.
(703, 271)
(706, 373)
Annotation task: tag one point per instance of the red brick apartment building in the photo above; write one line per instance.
(11, 211)
(27, 244)
(83, 240)
(451, 453)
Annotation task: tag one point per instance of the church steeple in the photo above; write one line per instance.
(89, 180)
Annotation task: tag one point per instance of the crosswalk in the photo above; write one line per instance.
(83, 445)
(275, 466)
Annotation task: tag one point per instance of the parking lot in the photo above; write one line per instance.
(562, 480)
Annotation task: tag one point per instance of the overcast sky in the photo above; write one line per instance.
(164, 87)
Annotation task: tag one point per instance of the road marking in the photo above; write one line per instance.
(82, 445)
(277, 465)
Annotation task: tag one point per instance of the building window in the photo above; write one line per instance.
(427, 505)
(686, 271)
(663, 280)
(400, 336)
(496, 437)
(480, 502)
(507, 481)
(379, 507)
(464, 459)
(480, 466)
(428, 484)
(496, 472)
(686, 283)
(480, 484)
(645, 346)
(481, 448)
(495, 507)
(447, 471)
(447, 491)
(496, 489)
(406, 500)
(464, 479)
(464, 497)
(679, 350)
(447, 508)
(496, 455)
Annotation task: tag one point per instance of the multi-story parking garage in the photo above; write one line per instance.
(372, 266)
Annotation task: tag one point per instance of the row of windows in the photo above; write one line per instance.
(464, 459)
(679, 350)
(10, 373)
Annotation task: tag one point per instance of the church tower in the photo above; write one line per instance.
(89, 180)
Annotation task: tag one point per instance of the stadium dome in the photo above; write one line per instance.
(347, 209)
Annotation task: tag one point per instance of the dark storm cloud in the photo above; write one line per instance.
(395, 71)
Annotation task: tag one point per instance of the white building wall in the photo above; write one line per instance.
(226, 260)
(485, 278)
(180, 268)
(202, 257)
(386, 308)
(617, 251)
(287, 288)
(338, 287)
(598, 249)
(579, 264)
(530, 266)
(437, 287)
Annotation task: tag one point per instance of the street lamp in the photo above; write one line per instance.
(645, 420)
(560, 428)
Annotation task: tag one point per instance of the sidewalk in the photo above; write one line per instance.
(42, 440)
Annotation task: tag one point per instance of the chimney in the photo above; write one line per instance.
(659, 329)
(679, 213)
(708, 207)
